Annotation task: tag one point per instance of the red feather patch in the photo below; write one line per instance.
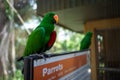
(52, 39)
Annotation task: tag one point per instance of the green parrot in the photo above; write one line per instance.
(86, 41)
(43, 37)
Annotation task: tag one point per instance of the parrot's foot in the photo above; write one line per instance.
(41, 55)
(47, 55)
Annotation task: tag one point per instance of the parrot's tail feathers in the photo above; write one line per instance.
(19, 59)
(22, 71)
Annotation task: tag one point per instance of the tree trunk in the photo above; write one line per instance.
(7, 46)
(12, 40)
(4, 52)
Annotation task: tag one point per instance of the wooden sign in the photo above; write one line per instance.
(70, 66)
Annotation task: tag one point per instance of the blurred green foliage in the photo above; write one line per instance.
(18, 76)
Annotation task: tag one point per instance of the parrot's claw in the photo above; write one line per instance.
(43, 56)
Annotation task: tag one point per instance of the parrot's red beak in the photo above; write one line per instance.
(56, 18)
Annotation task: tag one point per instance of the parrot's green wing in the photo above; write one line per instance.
(35, 41)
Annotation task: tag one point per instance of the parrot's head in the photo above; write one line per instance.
(51, 17)
(89, 34)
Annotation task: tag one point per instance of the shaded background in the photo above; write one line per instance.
(17, 19)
